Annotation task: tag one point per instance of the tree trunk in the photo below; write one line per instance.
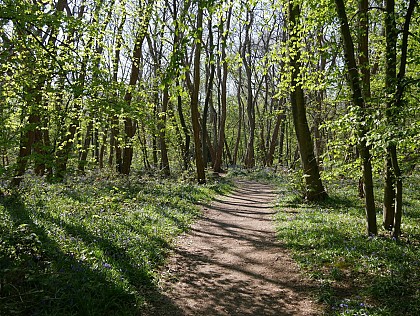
(217, 166)
(357, 97)
(195, 117)
(102, 150)
(85, 149)
(114, 144)
(26, 141)
(209, 92)
(240, 114)
(282, 156)
(246, 58)
(129, 123)
(274, 140)
(186, 147)
(164, 161)
(390, 82)
(389, 195)
(314, 189)
(395, 87)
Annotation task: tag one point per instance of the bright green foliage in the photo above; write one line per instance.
(91, 248)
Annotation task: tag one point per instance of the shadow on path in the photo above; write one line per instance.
(231, 264)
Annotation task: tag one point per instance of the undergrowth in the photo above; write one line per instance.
(356, 275)
(90, 246)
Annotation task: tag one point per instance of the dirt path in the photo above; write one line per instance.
(231, 264)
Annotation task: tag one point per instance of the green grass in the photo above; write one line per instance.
(91, 246)
(356, 275)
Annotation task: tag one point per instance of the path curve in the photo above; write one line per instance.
(231, 264)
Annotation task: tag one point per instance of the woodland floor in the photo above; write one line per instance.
(230, 263)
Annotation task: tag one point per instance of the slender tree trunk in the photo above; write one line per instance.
(389, 194)
(363, 35)
(39, 145)
(195, 117)
(246, 58)
(85, 149)
(154, 141)
(164, 161)
(143, 144)
(186, 147)
(395, 87)
(314, 189)
(390, 82)
(114, 144)
(26, 141)
(179, 52)
(102, 150)
(217, 166)
(209, 92)
(274, 140)
(95, 143)
(210, 148)
(129, 124)
(354, 82)
(240, 114)
(282, 156)
(228, 152)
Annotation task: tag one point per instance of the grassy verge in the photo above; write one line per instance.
(356, 275)
(90, 246)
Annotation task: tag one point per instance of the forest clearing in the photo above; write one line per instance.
(127, 125)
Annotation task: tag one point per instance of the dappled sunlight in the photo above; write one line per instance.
(89, 250)
(230, 263)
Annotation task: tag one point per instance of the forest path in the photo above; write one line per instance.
(230, 263)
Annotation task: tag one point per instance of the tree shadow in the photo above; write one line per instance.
(384, 266)
(228, 266)
(39, 276)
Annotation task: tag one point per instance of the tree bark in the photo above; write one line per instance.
(195, 117)
(164, 160)
(209, 92)
(26, 141)
(85, 149)
(129, 124)
(240, 115)
(186, 147)
(357, 97)
(217, 166)
(246, 58)
(274, 140)
(394, 88)
(390, 82)
(314, 189)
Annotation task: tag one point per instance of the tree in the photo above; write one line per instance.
(314, 189)
(250, 105)
(357, 97)
(217, 166)
(394, 89)
(195, 117)
(129, 124)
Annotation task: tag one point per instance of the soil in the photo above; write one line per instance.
(230, 263)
